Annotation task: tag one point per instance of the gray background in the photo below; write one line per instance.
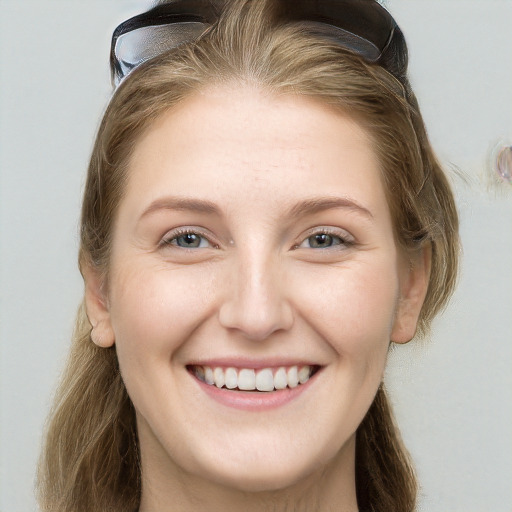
(452, 393)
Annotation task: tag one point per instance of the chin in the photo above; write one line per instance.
(265, 475)
(260, 481)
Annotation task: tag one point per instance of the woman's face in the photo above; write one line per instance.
(253, 247)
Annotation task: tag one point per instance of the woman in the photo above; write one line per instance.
(263, 214)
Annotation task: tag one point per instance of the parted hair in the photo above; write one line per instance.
(90, 459)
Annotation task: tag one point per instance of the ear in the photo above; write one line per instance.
(414, 279)
(96, 305)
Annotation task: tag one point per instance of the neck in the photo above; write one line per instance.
(329, 488)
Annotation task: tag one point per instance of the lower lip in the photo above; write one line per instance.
(253, 400)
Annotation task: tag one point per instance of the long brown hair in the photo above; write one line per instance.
(90, 459)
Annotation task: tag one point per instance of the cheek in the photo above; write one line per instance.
(354, 309)
(154, 309)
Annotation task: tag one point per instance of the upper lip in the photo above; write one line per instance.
(241, 362)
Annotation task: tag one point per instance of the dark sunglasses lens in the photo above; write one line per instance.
(344, 38)
(139, 45)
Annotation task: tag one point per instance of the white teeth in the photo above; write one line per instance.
(208, 375)
(265, 380)
(304, 373)
(280, 380)
(231, 378)
(293, 377)
(218, 375)
(246, 379)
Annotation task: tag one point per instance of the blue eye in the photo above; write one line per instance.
(188, 241)
(325, 240)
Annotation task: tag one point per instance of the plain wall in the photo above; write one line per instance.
(452, 393)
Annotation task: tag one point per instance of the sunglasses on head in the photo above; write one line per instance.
(362, 26)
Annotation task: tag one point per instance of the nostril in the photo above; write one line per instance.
(256, 323)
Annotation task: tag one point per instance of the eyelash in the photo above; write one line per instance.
(345, 240)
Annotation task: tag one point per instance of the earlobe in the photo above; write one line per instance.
(414, 281)
(96, 304)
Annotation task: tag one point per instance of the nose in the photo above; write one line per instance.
(256, 304)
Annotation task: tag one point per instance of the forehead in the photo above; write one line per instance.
(225, 140)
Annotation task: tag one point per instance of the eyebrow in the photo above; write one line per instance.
(302, 208)
(318, 204)
(182, 204)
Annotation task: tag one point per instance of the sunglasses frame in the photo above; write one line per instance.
(363, 26)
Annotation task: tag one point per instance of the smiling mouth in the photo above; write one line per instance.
(248, 379)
